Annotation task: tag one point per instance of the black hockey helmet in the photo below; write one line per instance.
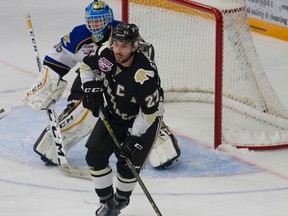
(125, 32)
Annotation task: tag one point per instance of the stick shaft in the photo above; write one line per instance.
(56, 134)
(34, 44)
(53, 122)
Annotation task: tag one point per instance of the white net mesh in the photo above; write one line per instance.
(184, 41)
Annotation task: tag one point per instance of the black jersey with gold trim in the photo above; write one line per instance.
(127, 89)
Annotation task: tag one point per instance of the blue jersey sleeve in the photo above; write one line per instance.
(75, 40)
(72, 48)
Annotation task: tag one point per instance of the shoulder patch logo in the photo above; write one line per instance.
(104, 64)
(66, 39)
(142, 75)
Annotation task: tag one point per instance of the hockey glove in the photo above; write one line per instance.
(128, 148)
(93, 96)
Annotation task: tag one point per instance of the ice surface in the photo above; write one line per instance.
(205, 182)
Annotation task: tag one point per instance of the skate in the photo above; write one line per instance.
(108, 208)
(122, 203)
(112, 207)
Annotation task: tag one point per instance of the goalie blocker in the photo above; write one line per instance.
(76, 122)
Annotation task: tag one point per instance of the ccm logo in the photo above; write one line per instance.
(93, 90)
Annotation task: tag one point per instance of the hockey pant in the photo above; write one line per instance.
(76, 123)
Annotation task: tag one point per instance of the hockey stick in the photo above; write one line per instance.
(5, 110)
(128, 161)
(53, 122)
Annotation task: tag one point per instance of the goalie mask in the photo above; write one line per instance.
(124, 32)
(98, 16)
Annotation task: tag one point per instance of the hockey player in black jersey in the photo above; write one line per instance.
(76, 122)
(129, 82)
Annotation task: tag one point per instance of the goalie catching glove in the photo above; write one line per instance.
(93, 96)
(48, 88)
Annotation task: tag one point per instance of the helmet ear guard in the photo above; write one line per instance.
(98, 16)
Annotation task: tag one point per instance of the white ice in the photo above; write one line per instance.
(206, 182)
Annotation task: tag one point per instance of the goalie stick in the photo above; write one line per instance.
(5, 110)
(128, 161)
(65, 167)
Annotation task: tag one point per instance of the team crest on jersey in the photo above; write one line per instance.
(142, 75)
(104, 64)
(87, 49)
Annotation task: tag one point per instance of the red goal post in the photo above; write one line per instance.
(221, 66)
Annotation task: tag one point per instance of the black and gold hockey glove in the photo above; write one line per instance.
(128, 148)
(93, 96)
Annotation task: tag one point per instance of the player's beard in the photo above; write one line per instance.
(120, 59)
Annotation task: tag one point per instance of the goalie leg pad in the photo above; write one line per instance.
(75, 123)
(44, 147)
(47, 88)
(165, 152)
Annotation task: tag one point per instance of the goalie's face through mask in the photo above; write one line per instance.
(96, 24)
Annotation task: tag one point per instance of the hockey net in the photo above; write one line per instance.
(205, 52)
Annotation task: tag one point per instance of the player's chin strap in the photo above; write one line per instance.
(128, 161)
(65, 167)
